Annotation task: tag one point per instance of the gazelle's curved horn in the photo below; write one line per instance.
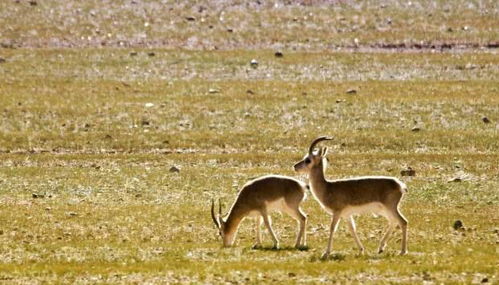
(316, 141)
(215, 220)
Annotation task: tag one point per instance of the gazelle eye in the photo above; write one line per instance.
(307, 160)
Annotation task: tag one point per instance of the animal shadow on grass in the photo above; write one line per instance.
(334, 256)
(286, 248)
(343, 256)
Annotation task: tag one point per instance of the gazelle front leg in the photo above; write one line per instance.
(334, 225)
(266, 220)
(258, 243)
(351, 225)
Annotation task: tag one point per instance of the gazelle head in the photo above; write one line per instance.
(226, 234)
(313, 158)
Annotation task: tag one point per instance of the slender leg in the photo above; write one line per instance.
(258, 222)
(334, 225)
(386, 236)
(353, 230)
(403, 224)
(303, 227)
(301, 239)
(398, 218)
(267, 221)
(301, 218)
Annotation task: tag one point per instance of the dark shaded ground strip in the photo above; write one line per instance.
(442, 46)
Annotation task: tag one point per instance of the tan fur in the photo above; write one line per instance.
(347, 197)
(258, 198)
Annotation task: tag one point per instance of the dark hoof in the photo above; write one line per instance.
(325, 256)
(256, 246)
(302, 247)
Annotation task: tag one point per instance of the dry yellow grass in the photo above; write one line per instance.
(88, 136)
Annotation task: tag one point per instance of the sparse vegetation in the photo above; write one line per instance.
(226, 24)
(89, 137)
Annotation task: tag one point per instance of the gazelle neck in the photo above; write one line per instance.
(317, 180)
(232, 222)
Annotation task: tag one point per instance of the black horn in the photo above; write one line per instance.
(316, 141)
(215, 220)
(219, 207)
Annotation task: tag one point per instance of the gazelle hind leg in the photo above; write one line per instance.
(353, 231)
(402, 221)
(297, 214)
(303, 227)
(397, 218)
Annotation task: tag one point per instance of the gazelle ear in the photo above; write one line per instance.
(216, 219)
(221, 223)
(324, 151)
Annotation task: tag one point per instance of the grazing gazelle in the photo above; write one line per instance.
(345, 197)
(258, 198)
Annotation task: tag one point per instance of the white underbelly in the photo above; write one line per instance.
(277, 205)
(254, 214)
(374, 208)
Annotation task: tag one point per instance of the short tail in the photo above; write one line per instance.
(403, 187)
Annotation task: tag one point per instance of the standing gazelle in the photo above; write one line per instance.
(258, 198)
(346, 197)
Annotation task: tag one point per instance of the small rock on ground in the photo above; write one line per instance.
(408, 172)
(458, 224)
(174, 169)
(456, 179)
(254, 63)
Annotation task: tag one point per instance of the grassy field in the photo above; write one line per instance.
(88, 135)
